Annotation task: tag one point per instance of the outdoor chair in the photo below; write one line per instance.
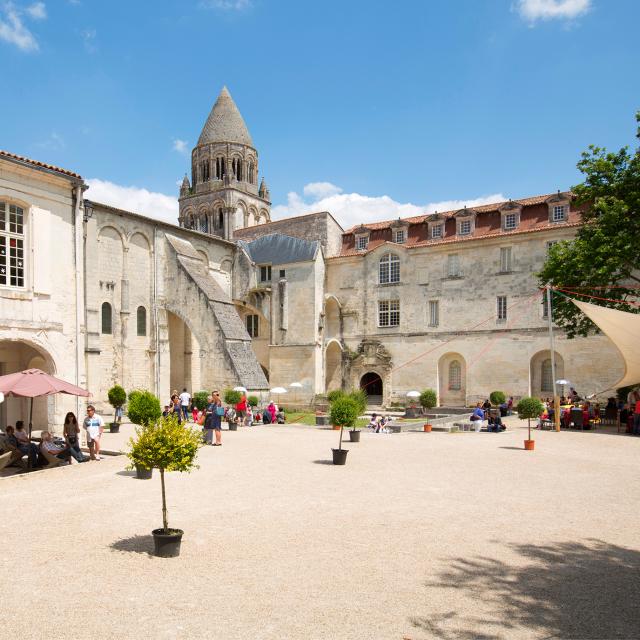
(610, 415)
(52, 461)
(577, 419)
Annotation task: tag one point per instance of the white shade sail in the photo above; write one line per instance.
(623, 329)
(278, 390)
(296, 385)
(413, 394)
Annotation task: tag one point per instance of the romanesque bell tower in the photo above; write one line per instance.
(223, 194)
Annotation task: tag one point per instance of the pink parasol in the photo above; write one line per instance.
(34, 383)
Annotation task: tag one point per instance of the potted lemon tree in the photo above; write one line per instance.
(117, 396)
(144, 409)
(529, 408)
(166, 445)
(343, 412)
(360, 398)
(231, 398)
(428, 400)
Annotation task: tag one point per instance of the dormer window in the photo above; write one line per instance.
(464, 227)
(399, 236)
(510, 221)
(559, 213)
(510, 214)
(265, 273)
(362, 242)
(437, 231)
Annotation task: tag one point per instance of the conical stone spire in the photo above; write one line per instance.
(225, 124)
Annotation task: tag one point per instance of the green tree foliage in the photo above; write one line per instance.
(529, 408)
(253, 401)
(605, 254)
(428, 399)
(344, 412)
(144, 407)
(360, 398)
(168, 446)
(117, 396)
(332, 396)
(200, 400)
(497, 398)
(232, 397)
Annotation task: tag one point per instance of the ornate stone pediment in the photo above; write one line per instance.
(372, 353)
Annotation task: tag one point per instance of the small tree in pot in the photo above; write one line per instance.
(343, 413)
(144, 409)
(428, 400)
(169, 446)
(200, 400)
(496, 398)
(529, 408)
(253, 401)
(232, 397)
(360, 398)
(117, 396)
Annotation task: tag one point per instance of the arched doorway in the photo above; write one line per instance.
(184, 363)
(371, 384)
(333, 366)
(452, 380)
(18, 356)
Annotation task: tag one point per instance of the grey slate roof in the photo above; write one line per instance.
(277, 248)
(225, 124)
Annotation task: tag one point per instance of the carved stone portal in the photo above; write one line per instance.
(371, 357)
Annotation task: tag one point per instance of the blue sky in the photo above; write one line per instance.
(371, 109)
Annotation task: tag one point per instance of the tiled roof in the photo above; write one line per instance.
(225, 124)
(276, 248)
(494, 206)
(37, 163)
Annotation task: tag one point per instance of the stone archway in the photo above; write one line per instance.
(184, 356)
(333, 366)
(371, 384)
(540, 374)
(371, 357)
(452, 380)
(16, 356)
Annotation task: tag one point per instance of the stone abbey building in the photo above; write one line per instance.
(99, 296)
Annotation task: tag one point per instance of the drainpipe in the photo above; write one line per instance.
(76, 200)
(155, 307)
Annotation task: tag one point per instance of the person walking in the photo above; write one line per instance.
(176, 407)
(185, 399)
(71, 433)
(213, 420)
(94, 426)
(241, 410)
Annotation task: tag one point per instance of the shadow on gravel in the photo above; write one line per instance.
(134, 544)
(130, 474)
(513, 448)
(323, 462)
(565, 590)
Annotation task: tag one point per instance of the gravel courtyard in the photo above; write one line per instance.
(418, 536)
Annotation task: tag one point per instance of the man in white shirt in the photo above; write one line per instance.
(185, 399)
(94, 426)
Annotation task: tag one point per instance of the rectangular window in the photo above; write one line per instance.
(510, 221)
(545, 306)
(265, 273)
(559, 212)
(502, 308)
(465, 227)
(362, 242)
(505, 259)
(282, 273)
(12, 270)
(434, 313)
(252, 326)
(388, 313)
(453, 265)
(399, 236)
(436, 231)
(550, 244)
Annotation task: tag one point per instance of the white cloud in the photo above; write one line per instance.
(148, 203)
(180, 146)
(227, 5)
(54, 141)
(37, 11)
(533, 10)
(351, 209)
(89, 39)
(13, 30)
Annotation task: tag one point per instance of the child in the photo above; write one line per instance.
(373, 423)
(195, 414)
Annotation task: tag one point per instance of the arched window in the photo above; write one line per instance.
(204, 223)
(455, 376)
(250, 172)
(142, 321)
(546, 379)
(220, 168)
(389, 268)
(12, 245)
(205, 171)
(236, 168)
(220, 219)
(107, 320)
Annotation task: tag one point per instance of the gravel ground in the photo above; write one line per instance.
(418, 536)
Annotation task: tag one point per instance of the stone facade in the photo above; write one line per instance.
(448, 300)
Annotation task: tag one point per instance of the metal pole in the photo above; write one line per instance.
(556, 400)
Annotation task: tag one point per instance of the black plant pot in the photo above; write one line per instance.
(233, 426)
(114, 427)
(143, 474)
(340, 456)
(354, 436)
(167, 545)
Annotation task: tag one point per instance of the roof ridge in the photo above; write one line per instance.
(38, 163)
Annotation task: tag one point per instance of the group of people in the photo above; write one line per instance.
(64, 448)
(378, 424)
(484, 414)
